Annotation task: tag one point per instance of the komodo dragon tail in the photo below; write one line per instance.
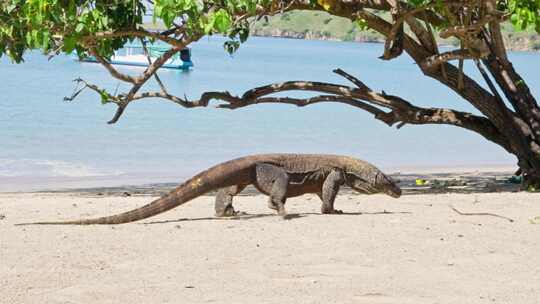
(223, 175)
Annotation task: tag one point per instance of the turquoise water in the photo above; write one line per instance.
(44, 137)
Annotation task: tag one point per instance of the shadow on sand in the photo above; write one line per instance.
(292, 216)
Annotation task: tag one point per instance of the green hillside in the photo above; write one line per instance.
(312, 25)
(322, 26)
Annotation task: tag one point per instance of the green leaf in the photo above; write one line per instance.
(28, 39)
(222, 21)
(157, 12)
(105, 97)
(168, 18)
(69, 44)
(209, 26)
(79, 28)
(361, 24)
(45, 40)
(35, 38)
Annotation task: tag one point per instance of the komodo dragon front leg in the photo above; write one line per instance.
(223, 205)
(269, 179)
(273, 181)
(329, 191)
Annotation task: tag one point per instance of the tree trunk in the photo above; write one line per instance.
(530, 181)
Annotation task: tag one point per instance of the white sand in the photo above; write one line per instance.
(430, 255)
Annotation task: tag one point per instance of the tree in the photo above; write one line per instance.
(511, 120)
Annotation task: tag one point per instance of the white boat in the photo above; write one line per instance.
(134, 55)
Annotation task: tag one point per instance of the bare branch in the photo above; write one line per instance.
(495, 110)
(119, 111)
(138, 33)
(149, 60)
(352, 79)
(148, 73)
(180, 101)
(76, 90)
(488, 80)
(114, 72)
(393, 46)
(461, 31)
(401, 111)
(141, 80)
(424, 34)
(435, 61)
(481, 213)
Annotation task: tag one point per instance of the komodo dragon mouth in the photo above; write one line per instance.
(378, 183)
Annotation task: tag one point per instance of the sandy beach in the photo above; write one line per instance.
(414, 249)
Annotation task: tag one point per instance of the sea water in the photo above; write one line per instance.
(45, 139)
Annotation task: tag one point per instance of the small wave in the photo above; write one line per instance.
(49, 168)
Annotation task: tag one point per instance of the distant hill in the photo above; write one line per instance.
(316, 25)
(322, 26)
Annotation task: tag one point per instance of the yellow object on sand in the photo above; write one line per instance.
(421, 182)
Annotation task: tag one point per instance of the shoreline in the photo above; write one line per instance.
(310, 25)
(514, 47)
(457, 179)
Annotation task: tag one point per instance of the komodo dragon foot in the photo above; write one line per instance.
(227, 212)
(332, 211)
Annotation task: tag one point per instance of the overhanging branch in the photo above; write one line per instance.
(108, 66)
(387, 108)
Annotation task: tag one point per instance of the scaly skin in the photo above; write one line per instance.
(278, 175)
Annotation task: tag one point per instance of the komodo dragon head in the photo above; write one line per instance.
(365, 178)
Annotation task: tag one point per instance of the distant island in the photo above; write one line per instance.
(315, 25)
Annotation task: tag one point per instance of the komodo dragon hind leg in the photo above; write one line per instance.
(273, 181)
(329, 191)
(223, 205)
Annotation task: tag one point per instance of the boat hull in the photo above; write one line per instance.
(168, 65)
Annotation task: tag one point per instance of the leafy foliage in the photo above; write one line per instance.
(523, 13)
(66, 26)
(57, 25)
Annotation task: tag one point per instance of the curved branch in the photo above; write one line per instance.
(494, 109)
(401, 111)
(424, 34)
(435, 61)
(107, 65)
(175, 99)
(461, 31)
(140, 81)
(471, 91)
(148, 73)
(351, 78)
(138, 33)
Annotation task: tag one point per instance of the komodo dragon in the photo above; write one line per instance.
(277, 175)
